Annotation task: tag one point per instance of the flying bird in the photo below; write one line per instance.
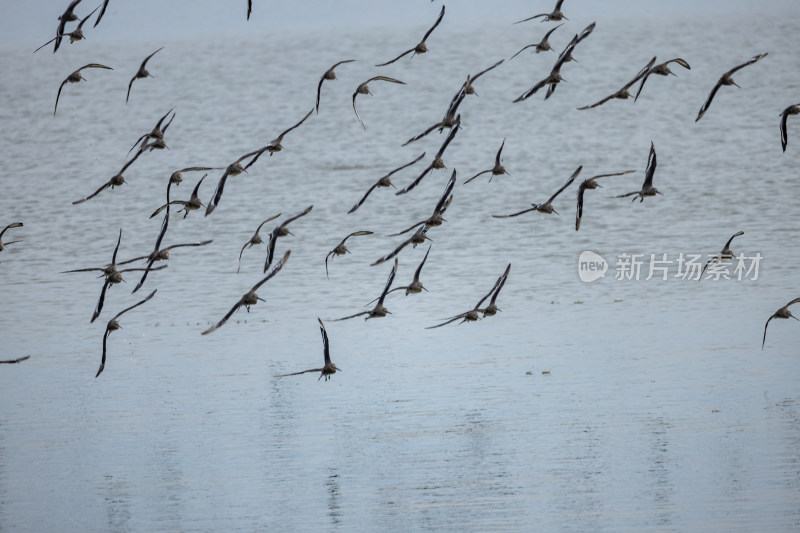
(492, 309)
(281, 230)
(791, 110)
(437, 218)
(75, 77)
(364, 89)
(254, 240)
(113, 325)
(783, 312)
(116, 181)
(416, 285)
(726, 79)
(141, 73)
(475, 313)
(546, 207)
(329, 75)
(437, 162)
(591, 183)
(623, 93)
(234, 169)
(250, 298)
(541, 46)
(384, 181)
(662, 69)
(329, 369)
(418, 237)
(497, 170)
(12, 225)
(68, 16)
(556, 15)
(341, 249)
(156, 133)
(379, 310)
(421, 47)
(15, 361)
(74, 35)
(566, 55)
(726, 253)
(193, 204)
(647, 186)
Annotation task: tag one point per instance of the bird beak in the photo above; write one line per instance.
(261, 299)
(598, 185)
(733, 82)
(556, 212)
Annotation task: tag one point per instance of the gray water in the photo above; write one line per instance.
(616, 405)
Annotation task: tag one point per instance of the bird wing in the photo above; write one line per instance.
(414, 225)
(356, 111)
(764, 340)
(462, 315)
(363, 199)
(396, 58)
(438, 20)
(481, 73)
(325, 344)
(416, 181)
(567, 184)
(601, 102)
(500, 151)
(784, 138)
(203, 243)
(476, 175)
(304, 213)
(355, 234)
(727, 244)
(515, 214)
(523, 49)
(443, 202)
(95, 193)
(102, 12)
(419, 268)
(212, 204)
(280, 137)
(388, 283)
(135, 305)
(450, 136)
(12, 225)
(249, 8)
(103, 359)
(651, 166)
(547, 35)
(530, 92)
(146, 59)
(708, 100)
(499, 287)
(392, 254)
(585, 33)
(423, 134)
(99, 307)
(272, 272)
(386, 78)
(531, 18)
(319, 90)
(224, 319)
(17, 360)
(130, 84)
(303, 372)
(59, 95)
(579, 212)
(748, 62)
(273, 236)
(349, 317)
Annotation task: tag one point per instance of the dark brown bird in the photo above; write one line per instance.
(546, 207)
(421, 47)
(555, 73)
(113, 325)
(233, 169)
(385, 181)
(68, 16)
(726, 79)
(475, 313)
(193, 204)
(647, 186)
(791, 110)
(364, 89)
(329, 369)
(329, 75)
(281, 230)
(566, 54)
(416, 285)
(12, 225)
(75, 77)
(116, 180)
(591, 183)
(783, 312)
(250, 298)
(254, 240)
(726, 253)
(155, 133)
(141, 73)
(661, 69)
(437, 218)
(497, 170)
(74, 35)
(341, 249)
(623, 93)
(437, 162)
(492, 309)
(379, 310)
(556, 15)
(541, 46)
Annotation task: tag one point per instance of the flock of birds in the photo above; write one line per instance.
(112, 274)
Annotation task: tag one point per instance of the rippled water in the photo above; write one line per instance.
(613, 405)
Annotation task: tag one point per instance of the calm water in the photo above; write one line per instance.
(617, 405)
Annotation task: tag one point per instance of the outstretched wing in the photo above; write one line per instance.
(325, 344)
(224, 319)
(515, 214)
(651, 166)
(396, 58)
(567, 184)
(388, 283)
(134, 305)
(438, 20)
